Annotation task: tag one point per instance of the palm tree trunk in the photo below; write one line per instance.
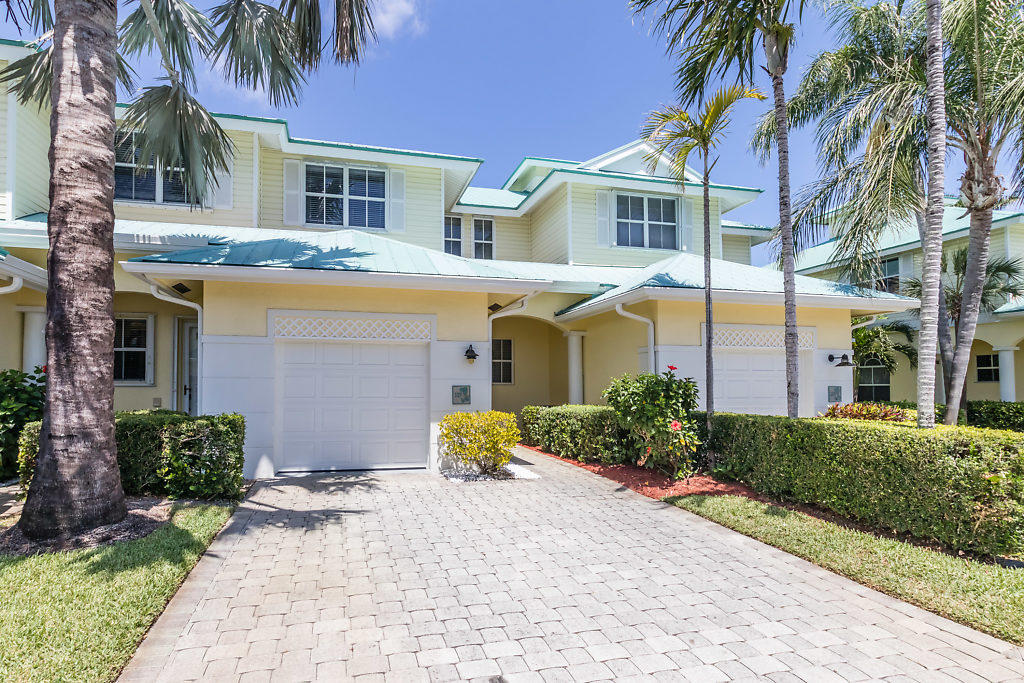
(77, 485)
(942, 327)
(709, 356)
(788, 256)
(932, 242)
(970, 306)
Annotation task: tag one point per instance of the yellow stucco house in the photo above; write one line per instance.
(345, 297)
(996, 370)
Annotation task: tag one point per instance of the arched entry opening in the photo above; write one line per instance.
(529, 363)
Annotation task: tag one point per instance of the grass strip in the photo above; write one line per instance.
(79, 615)
(984, 596)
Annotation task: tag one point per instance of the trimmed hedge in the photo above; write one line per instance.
(482, 440)
(959, 486)
(581, 432)
(996, 415)
(528, 417)
(162, 452)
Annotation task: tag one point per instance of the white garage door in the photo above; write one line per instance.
(345, 406)
(750, 382)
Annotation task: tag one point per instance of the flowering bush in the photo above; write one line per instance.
(867, 411)
(655, 409)
(484, 440)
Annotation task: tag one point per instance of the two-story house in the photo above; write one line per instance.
(996, 370)
(344, 297)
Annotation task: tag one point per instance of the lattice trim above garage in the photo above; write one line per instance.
(351, 329)
(759, 337)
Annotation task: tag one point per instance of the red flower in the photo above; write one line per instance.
(44, 368)
(648, 450)
(675, 425)
(672, 367)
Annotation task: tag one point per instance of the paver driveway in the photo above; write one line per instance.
(406, 576)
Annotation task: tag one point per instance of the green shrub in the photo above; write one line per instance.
(960, 486)
(584, 433)
(482, 440)
(203, 457)
(996, 415)
(656, 411)
(528, 416)
(21, 401)
(867, 411)
(162, 452)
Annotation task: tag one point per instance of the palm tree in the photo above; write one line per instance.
(870, 98)
(1003, 279)
(711, 38)
(878, 342)
(674, 133)
(82, 54)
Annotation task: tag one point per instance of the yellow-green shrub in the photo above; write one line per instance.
(484, 440)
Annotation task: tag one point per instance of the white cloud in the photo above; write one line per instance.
(392, 17)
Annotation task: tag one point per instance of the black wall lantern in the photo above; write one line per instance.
(471, 355)
(843, 361)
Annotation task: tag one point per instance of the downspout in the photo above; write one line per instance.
(651, 360)
(16, 284)
(867, 322)
(154, 289)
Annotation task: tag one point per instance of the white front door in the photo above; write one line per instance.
(346, 406)
(750, 381)
(190, 357)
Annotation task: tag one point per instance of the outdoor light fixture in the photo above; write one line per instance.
(471, 355)
(843, 361)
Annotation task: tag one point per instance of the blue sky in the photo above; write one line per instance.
(501, 80)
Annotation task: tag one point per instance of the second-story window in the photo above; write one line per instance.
(453, 235)
(136, 179)
(365, 198)
(483, 238)
(645, 222)
(325, 194)
(890, 280)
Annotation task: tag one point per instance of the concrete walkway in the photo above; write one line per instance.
(407, 577)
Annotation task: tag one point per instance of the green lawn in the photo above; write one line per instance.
(79, 615)
(984, 596)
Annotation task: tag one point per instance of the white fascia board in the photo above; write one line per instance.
(752, 233)
(222, 273)
(33, 275)
(143, 244)
(396, 158)
(854, 303)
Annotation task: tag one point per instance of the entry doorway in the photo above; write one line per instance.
(188, 365)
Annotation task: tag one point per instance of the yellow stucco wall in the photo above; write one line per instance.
(238, 308)
(540, 373)
(679, 322)
(610, 350)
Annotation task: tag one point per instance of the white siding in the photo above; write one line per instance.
(32, 182)
(4, 198)
(736, 248)
(550, 236)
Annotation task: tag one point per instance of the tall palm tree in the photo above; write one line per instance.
(82, 54)
(714, 38)
(672, 132)
(870, 98)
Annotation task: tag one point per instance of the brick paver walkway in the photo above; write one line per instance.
(406, 577)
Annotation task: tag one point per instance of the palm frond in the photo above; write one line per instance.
(174, 128)
(351, 30)
(256, 47)
(184, 30)
(31, 77)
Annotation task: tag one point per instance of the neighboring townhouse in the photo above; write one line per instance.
(345, 297)
(996, 370)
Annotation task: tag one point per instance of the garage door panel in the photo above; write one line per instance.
(352, 405)
(750, 381)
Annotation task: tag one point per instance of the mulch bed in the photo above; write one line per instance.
(144, 516)
(658, 486)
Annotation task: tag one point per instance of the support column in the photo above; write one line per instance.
(575, 341)
(1007, 381)
(33, 342)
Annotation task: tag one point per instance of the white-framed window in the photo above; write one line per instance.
(890, 276)
(483, 238)
(501, 361)
(873, 382)
(133, 348)
(988, 367)
(339, 195)
(453, 235)
(136, 179)
(646, 221)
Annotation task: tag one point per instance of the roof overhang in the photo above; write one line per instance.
(857, 305)
(36, 238)
(733, 196)
(756, 235)
(339, 278)
(33, 276)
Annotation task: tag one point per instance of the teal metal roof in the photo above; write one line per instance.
(1011, 306)
(686, 271)
(746, 226)
(564, 272)
(903, 234)
(341, 250)
(492, 198)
